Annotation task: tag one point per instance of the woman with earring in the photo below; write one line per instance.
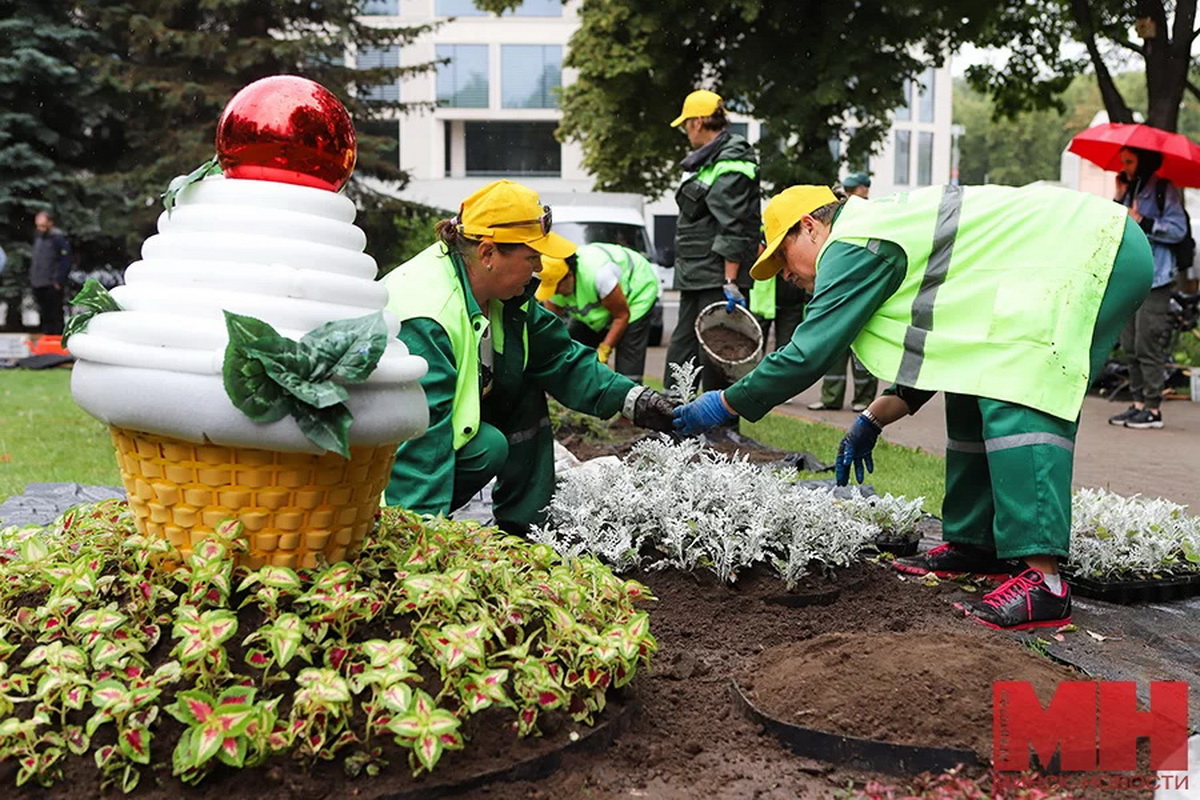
(1008, 300)
(466, 306)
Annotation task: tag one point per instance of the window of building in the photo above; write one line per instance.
(388, 133)
(740, 128)
(512, 148)
(463, 81)
(538, 8)
(903, 156)
(903, 111)
(924, 158)
(385, 8)
(925, 98)
(458, 8)
(380, 58)
(529, 75)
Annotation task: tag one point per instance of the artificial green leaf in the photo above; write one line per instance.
(349, 348)
(93, 297)
(181, 182)
(291, 366)
(328, 428)
(247, 384)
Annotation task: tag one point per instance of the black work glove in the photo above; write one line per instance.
(647, 408)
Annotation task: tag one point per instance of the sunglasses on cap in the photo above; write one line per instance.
(546, 221)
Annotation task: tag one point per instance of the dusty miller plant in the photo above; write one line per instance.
(680, 506)
(686, 377)
(897, 517)
(1114, 536)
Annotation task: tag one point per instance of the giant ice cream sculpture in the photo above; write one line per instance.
(273, 241)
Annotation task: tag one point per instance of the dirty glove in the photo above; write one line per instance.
(733, 297)
(705, 412)
(647, 408)
(603, 351)
(856, 449)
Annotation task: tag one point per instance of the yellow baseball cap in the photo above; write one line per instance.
(553, 271)
(509, 213)
(784, 211)
(700, 103)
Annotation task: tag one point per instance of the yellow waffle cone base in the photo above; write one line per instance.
(294, 507)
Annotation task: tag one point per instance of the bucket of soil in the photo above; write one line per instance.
(731, 339)
(898, 703)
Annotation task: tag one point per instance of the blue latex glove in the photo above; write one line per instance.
(705, 412)
(733, 297)
(856, 449)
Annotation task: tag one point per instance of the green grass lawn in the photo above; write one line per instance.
(45, 437)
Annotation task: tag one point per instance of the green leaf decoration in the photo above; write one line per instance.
(268, 376)
(352, 346)
(181, 182)
(96, 300)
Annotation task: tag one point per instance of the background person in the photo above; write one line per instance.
(716, 236)
(48, 269)
(833, 386)
(607, 291)
(1029, 287)
(1155, 205)
(466, 306)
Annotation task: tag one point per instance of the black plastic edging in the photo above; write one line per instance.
(533, 768)
(863, 754)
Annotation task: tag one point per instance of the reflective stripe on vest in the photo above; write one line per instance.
(638, 282)
(709, 174)
(1001, 291)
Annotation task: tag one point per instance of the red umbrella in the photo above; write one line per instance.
(1102, 146)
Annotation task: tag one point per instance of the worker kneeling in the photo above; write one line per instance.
(607, 292)
(1009, 300)
(466, 306)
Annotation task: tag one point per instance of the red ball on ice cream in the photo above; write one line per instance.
(289, 129)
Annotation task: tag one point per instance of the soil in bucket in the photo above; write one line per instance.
(931, 691)
(729, 345)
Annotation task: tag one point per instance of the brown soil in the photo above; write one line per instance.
(934, 692)
(728, 344)
(619, 438)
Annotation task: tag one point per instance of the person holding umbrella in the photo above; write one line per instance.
(1006, 299)
(1156, 206)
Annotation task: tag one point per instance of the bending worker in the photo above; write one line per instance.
(466, 306)
(1006, 299)
(607, 291)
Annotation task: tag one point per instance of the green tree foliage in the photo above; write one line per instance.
(1115, 34)
(166, 68)
(811, 71)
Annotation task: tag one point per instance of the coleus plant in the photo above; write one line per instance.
(107, 633)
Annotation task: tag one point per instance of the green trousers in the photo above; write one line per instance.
(516, 447)
(833, 387)
(1008, 467)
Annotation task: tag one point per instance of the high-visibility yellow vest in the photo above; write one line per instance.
(762, 298)
(427, 285)
(638, 282)
(1001, 293)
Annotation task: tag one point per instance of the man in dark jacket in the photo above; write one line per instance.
(48, 270)
(716, 238)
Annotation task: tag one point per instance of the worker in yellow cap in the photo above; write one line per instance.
(606, 291)
(716, 234)
(1008, 300)
(466, 306)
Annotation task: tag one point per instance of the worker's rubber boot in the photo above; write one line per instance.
(952, 560)
(1020, 603)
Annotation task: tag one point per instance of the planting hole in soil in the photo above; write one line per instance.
(728, 344)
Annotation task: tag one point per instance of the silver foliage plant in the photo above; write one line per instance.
(680, 506)
(1114, 536)
(897, 517)
(685, 379)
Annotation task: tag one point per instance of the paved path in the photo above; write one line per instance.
(1162, 463)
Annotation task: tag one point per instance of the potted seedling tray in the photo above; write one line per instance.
(1136, 589)
(849, 751)
(900, 546)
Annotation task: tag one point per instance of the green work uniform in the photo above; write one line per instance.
(833, 386)
(486, 423)
(590, 320)
(1008, 464)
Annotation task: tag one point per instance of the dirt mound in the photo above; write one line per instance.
(933, 690)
